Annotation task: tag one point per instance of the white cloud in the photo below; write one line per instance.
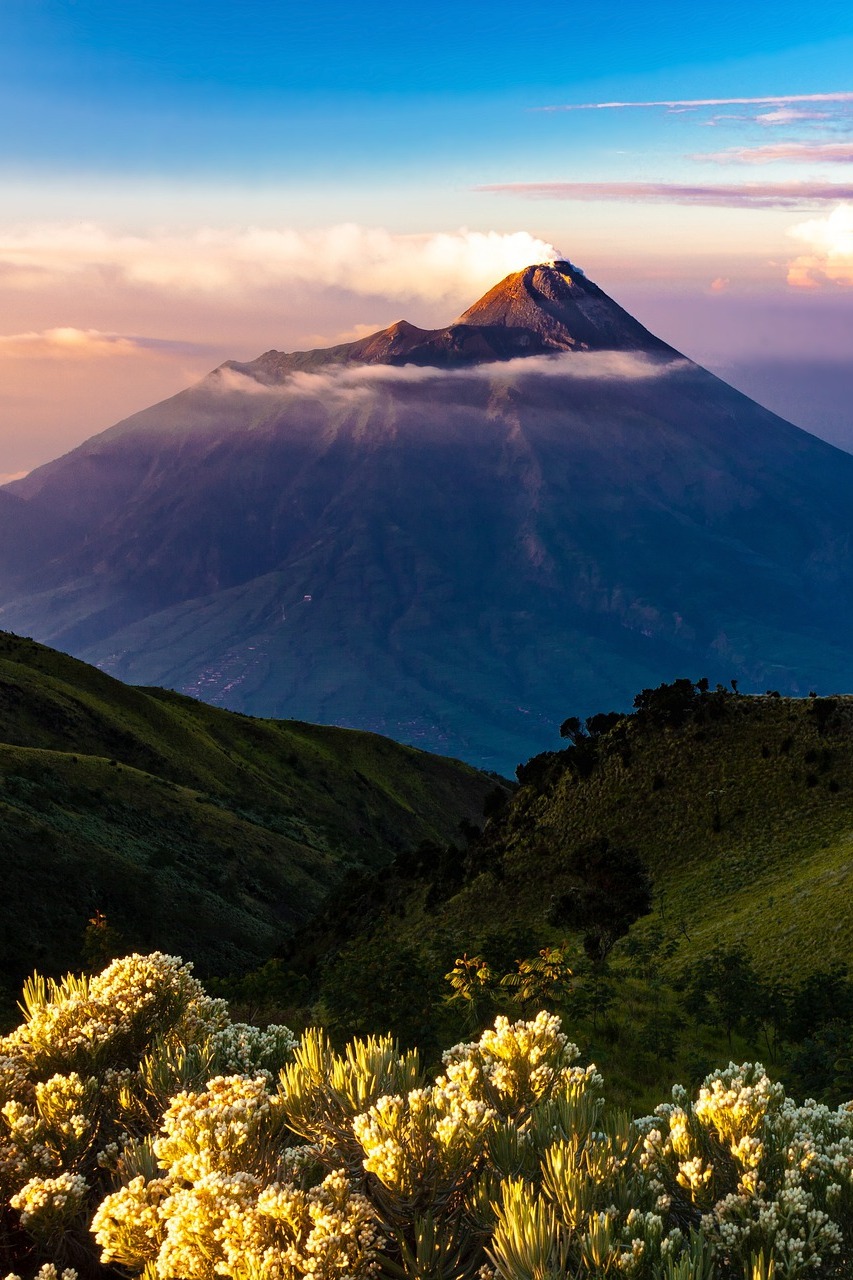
(688, 104)
(830, 256)
(364, 260)
(6, 477)
(231, 381)
(348, 381)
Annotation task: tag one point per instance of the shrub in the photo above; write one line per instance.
(85, 1081)
(155, 1137)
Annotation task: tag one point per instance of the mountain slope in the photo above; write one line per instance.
(192, 828)
(448, 535)
(741, 808)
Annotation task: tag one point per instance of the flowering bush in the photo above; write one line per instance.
(763, 1175)
(85, 1080)
(230, 1199)
(109, 1020)
(141, 1130)
(425, 1144)
(513, 1066)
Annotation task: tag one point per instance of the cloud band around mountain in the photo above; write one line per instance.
(359, 381)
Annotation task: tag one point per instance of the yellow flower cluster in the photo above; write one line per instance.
(99, 1058)
(734, 1104)
(770, 1178)
(515, 1065)
(424, 1143)
(47, 1205)
(216, 1130)
(109, 1016)
(127, 1222)
(216, 1209)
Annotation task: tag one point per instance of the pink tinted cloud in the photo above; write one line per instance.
(67, 342)
(788, 115)
(766, 195)
(835, 152)
(61, 383)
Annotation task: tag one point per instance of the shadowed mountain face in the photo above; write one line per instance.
(455, 537)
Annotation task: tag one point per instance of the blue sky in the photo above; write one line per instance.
(293, 93)
(151, 148)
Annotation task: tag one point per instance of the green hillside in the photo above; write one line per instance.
(361, 866)
(192, 829)
(741, 808)
(691, 863)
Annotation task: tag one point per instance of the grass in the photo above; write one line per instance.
(193, 829)
(232, 840)
(744, 820)
(743, 813)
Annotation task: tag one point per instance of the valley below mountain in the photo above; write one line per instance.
(699, 844)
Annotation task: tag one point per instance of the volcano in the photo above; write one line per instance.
(456, 537)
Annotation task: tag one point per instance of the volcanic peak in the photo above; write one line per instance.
(565, 311)
(546, 308)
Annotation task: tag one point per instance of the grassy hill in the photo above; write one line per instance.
(233, 840)
(192, 829)
(739, 808)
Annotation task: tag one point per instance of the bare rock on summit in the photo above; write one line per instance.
(564, 310)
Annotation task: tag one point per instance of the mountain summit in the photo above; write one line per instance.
(561, 310)
(456, 536)
(544, 309)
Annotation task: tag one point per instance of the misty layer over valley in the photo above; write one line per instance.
(447, 536)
